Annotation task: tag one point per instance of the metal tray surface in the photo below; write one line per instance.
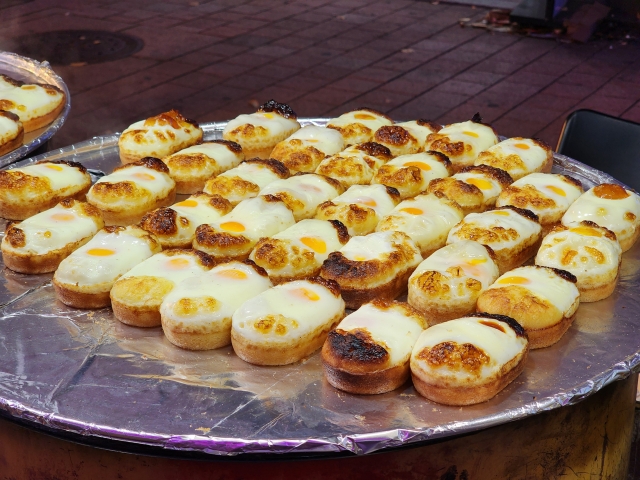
(29, 70)
(83, 372)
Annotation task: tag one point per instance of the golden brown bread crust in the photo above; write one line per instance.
(366, 383)
(49, 262)
(458, 396)
(16, 141)
(279, 354)
(80, 298)
(22, 196)
(198, 340)
(136, 300)
(598, 293)
(355, 277)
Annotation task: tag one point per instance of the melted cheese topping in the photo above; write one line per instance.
(425, 218)
(9, 129)
(157, 140)
(390, 328)
(229, 285)
(54, 229)
(420, 132)
(255, 218)
(544, 284)
(549, 186)
(529, 152)
(500, 346)
(256, 174)
(374, 246)
(30, 101)
(609, 213)
(221, 156)
(370, 120)
(274, 124)
(582, 253)
(327, 140)
(430, 167)
(197, 210)
(174, 268)
(351, 166)
(476, 136)
(489, 187)
(104, 258)
(470, 256)
(307, 237)
(521, 227)
(60, 175)
(287, 313)
(375, 197)
(310, 190)
(156, 183)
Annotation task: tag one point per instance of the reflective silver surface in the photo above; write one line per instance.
(84, 372)
(29, 70)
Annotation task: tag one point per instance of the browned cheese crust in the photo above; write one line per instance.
(360, 280)
(468, 196)
(48, 262)
(397, 139)
(279, 354)
(223, 246)
(191, 170)
(355, 129)
(469, 395)
(173, 118)
(296, 157)
(236, 187)
(140, 201)
(358, 219)
(12, 143)
(512, 163)
(22, 195)
(520, 304)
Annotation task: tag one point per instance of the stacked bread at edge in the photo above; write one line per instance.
(297, 224)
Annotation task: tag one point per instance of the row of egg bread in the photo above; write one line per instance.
(25, 107)
(366, 267)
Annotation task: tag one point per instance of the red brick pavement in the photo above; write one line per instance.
(213, 59)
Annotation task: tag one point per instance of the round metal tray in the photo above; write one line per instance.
(29, 70)
(83, 373)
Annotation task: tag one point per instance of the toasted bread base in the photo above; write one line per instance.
(544, 337)
(13, 143)
(44, 120)
(198, 340)
(354, 298)
(435, 314)
(459, 396)
(264, 153)
(257, 354)
(506, 261)
(627, 243)
(367, 383)
(77, 299)
(139, 316)
(24, 210)
(49, 262)
(133, 214)
(597, 293)
(188, 187)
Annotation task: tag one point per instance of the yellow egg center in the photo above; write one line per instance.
(481, 183)
(412, 211)
(471, 134)
(514, 281)
(522, 146)
(610, 191)
(369, 202)
(315, 244)
(586, 231)
(504, 213)
(420, 165)
(100, 252)
(232, 227)
(268, 115)
(62, 217)
(557, 190)
(364, 116)
(477, 261)
(52, 166)
(187, 203)
(233, 274)
(359, 258)
(312, 140)
(178, 264)
(143, 176)
(305, 293)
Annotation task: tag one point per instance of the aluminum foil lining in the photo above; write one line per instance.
(29, 70)
(85, 373)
